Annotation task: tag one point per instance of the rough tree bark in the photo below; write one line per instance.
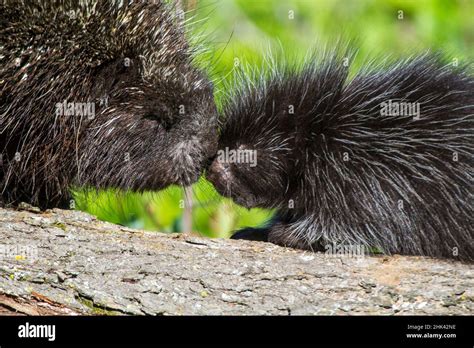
(85, 266)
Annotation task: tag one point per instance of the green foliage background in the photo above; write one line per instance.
(246, 30)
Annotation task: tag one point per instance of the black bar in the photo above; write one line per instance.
(135, 331)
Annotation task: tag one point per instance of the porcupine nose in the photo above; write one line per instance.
(218, 173)
(214, 169)
(210, 161)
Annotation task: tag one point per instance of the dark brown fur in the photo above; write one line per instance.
(155, 118)
(338, 171)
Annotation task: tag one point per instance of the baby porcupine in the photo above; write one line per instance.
(101, 94)
(383, 160)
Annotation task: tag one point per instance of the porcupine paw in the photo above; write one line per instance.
(285, 235)
(249, 233)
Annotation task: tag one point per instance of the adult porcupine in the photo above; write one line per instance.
(383, 160)
(102, 94)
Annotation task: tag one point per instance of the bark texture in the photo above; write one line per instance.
(69, 263)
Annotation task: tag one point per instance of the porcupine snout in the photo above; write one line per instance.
(219, 174)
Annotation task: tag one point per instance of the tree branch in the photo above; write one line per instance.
(67, 262)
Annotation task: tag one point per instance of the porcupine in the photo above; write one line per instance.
(99, 94)
(343, 167)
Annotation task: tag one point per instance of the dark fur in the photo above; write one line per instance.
(55, 51)
(399, 191)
